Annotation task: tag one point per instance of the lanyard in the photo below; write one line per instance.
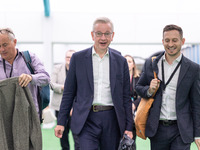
(163, 74)
(4, 66)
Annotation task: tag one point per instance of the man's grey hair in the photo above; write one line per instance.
(70, 50)
(9, 32)
(103, 20)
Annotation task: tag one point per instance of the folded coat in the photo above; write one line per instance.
(19, 122)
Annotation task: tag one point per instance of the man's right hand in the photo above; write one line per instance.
(155, 83)
(59, 131)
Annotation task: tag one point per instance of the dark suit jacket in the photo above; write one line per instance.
(79, 87)
(187, 98)
(133, 92)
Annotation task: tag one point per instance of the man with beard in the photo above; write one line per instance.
(173, 122)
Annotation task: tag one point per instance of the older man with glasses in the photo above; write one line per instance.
(98, 87)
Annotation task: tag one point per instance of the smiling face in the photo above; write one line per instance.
(102, 36)
(172, 42)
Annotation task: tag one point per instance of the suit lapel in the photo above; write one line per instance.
(155, 63)
(113, 68)
(89, 69)
(183, 70)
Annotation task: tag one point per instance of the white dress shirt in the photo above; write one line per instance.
(168, 107)
(101, 74)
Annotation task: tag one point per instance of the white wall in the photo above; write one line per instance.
(76, 27)
(138, 34)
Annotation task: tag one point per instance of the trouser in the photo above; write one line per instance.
(168, 138)
(101, 131)
(76, 142)
(134, 135)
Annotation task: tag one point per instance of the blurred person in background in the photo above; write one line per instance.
(58, 77)
(134, 77)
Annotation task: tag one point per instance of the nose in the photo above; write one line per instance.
(103, 36)
(1, 49)
(171, 43)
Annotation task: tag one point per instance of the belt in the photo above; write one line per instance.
(97, 108)
(167, 122)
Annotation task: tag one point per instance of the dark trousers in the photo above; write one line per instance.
(100, 132)
(64, 141)
(134, 135)
(76, 142)
(168, 138)
(134, 130)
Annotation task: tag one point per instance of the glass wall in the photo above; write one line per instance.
(193, 53)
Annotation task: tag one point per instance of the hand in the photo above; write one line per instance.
(155, 83)
(133, 107)
(24, 79)
(197, 141)
(129, 133)
(71, 112)
(62, 88)
(59, 131)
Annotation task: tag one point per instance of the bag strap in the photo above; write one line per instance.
(155, 76)
(170, 78)
(27, 59)
(154, 73)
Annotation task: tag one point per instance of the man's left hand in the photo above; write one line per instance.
(129, 133)
(197, 141)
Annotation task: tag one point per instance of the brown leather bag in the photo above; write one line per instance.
(143, 112)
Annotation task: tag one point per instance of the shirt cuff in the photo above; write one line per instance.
(148, 93)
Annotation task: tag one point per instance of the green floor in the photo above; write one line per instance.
(50, 142)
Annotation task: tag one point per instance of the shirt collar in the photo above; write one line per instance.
(178, 59)
(94, 52)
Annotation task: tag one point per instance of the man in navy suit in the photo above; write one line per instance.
(174, 118)
(99, 85)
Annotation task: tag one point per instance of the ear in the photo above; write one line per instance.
(113, 35)
(92, 34)
(15, 41)
(162, 41)
(183, 41)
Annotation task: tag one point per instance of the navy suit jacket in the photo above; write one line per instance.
(187, 98)
(79, 90)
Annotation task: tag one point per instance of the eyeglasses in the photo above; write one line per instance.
(100, 34)
(6, 30)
